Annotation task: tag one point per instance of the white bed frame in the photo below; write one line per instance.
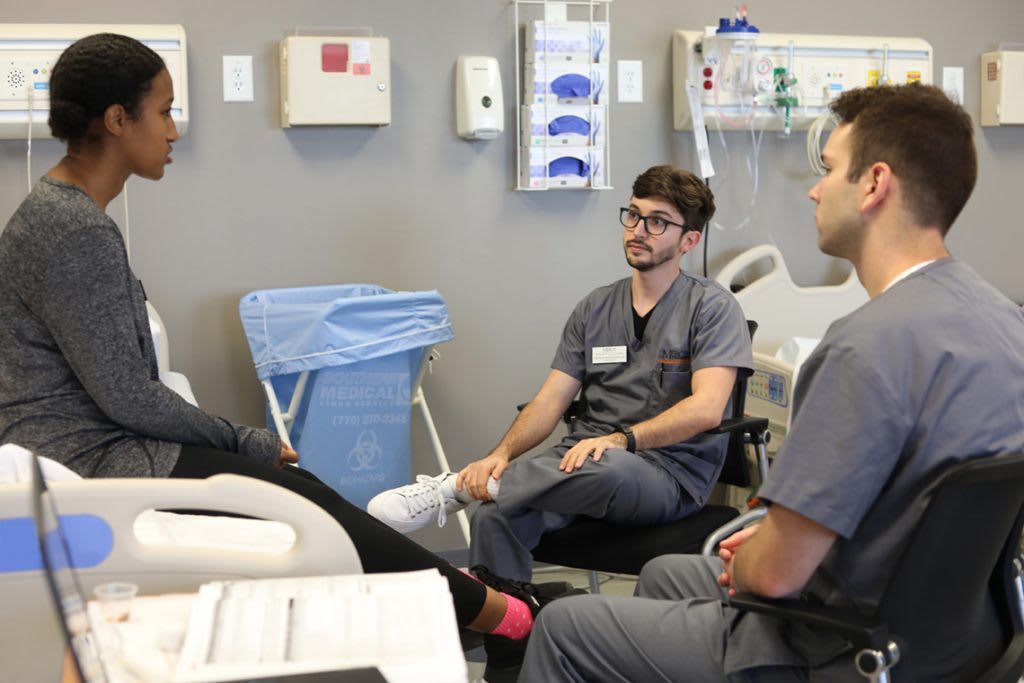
(32, 650)
(783, 310)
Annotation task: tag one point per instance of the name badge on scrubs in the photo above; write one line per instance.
(608, 354)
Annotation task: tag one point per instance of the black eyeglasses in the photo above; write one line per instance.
(654, 225)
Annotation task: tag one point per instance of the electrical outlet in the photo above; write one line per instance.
(238, 78)
(631, 80)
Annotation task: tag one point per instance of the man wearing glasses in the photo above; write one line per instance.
(656, 357)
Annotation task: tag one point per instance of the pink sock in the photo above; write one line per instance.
(518, 619)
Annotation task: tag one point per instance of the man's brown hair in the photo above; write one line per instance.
(682, 189)
(925, 138)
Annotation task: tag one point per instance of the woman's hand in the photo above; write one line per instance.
(288, 456)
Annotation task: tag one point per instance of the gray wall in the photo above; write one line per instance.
(247, 205)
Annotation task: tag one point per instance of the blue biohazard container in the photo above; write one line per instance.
(363, 346)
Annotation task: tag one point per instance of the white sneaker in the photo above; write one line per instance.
(408, 508)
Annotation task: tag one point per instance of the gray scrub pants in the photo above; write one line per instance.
(676, 630)
(537, 497)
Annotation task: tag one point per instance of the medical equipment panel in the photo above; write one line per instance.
(29, 51)
(555, 125)
(771, 387)
(479, 105)
(775, 81)
(1002, 88)
(335, 81)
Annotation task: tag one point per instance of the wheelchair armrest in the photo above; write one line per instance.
(757, 427)
(755, 431)
(863, 632)
(729, 528)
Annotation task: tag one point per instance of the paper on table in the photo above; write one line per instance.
(402, 623)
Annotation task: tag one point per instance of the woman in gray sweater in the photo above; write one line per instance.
(78, 373)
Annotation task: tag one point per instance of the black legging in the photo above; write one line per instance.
(380, 548)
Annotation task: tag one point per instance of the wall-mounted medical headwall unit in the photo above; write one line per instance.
(335, 81)
(29, 51)
(778, 81)
(1002, 88)
(562, 117)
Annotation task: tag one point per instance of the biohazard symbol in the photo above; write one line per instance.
(366, 453)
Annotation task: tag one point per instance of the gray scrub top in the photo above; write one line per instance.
(697, 324)
(926, 374)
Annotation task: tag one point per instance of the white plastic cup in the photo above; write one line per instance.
(116, 599)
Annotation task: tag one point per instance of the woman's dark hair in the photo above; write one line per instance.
(94, 73)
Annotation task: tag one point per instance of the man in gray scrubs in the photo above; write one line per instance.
(654, 357)
(930, 371)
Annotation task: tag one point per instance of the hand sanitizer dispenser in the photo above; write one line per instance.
(479, 106)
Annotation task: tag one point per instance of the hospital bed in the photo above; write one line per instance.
(162, 552)
(791, 320)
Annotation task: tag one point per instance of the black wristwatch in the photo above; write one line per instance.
(630, 439)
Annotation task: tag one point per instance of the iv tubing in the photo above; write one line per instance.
(28, 153)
